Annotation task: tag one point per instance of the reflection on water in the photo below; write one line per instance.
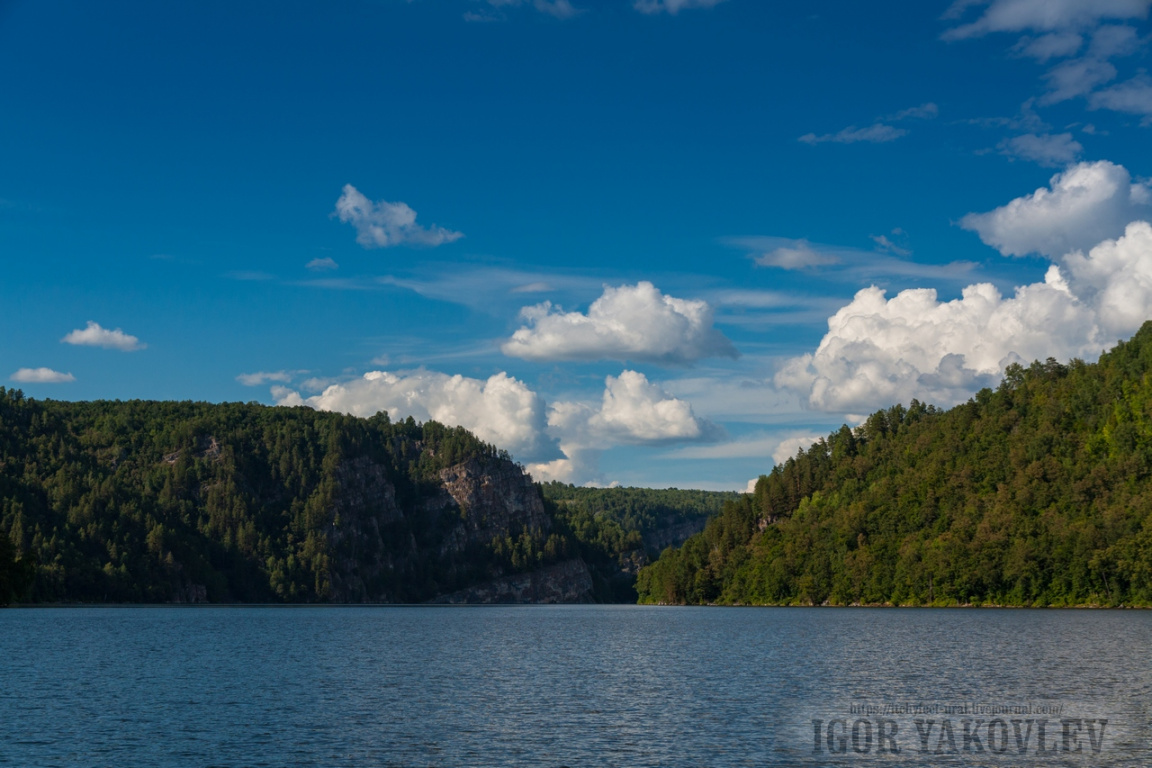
(564, 685)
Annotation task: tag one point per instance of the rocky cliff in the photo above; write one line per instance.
(458, 525)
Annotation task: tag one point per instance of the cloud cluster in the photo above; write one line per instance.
(41, 376)
(1083, 37)
(383, 224)
(564, 441)
(632, 411)
(1083, 205)
(878, 351)
(95, 336)
(500, 410)
(1046, 16)
(630, 322)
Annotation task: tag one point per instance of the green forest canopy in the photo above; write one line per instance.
(1036, 494)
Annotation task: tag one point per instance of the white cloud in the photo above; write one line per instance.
(1115, 278)
(880, 351)
(631, 322)
(925, 111)
(884, 243)
(560, 9)
(790, 446)
(1083, 205)
(322, 265)
(877, 133)
(844, 262)
(563, 440)
(672, 7)
(632, 411)
(1047, 149)
(1114, 40)
(799, 255)
(383, 224)
(1043, 15)
(500, 410)
(41, 376)
(1133, 96)
(262, 377)
(1053, 46)
(95, 336)
(1076, 77)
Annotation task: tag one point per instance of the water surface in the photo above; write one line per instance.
(548, 686)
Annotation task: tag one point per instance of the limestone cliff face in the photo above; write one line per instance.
(494, 499)
(386, 549)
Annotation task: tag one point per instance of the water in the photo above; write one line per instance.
(552, 686)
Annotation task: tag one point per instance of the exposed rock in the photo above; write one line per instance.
(566, 582)
(495, 498)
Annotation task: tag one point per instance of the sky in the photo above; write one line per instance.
(660, 243)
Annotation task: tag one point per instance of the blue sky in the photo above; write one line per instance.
(656, 242)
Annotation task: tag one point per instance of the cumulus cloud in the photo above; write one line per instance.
(95, 336)
(1082, 206)
(263, 377)
(877, 133)
(630, 322)
(41, 376)
(383, 224)
(1115, 279)
(1042, 15)
(563, 441)
(672, 7)
(879, 351)
(632, 411)
(790, 446)
(322, 265)
(500, 410)
(1047, 149)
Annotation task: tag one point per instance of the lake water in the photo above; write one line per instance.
(571, 686)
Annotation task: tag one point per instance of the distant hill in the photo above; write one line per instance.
(619, 530)
(1036, 494)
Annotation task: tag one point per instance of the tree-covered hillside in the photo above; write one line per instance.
(1037, 493)
(161, 501)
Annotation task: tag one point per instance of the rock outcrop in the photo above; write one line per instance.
(380, 546)
(566, 582)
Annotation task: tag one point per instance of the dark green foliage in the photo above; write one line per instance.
(618, 530)
(1037, 493)
(156, 501)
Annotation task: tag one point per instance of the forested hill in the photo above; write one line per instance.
(619, 530)
(179, 501)
(1037, 493)
(163, 501)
